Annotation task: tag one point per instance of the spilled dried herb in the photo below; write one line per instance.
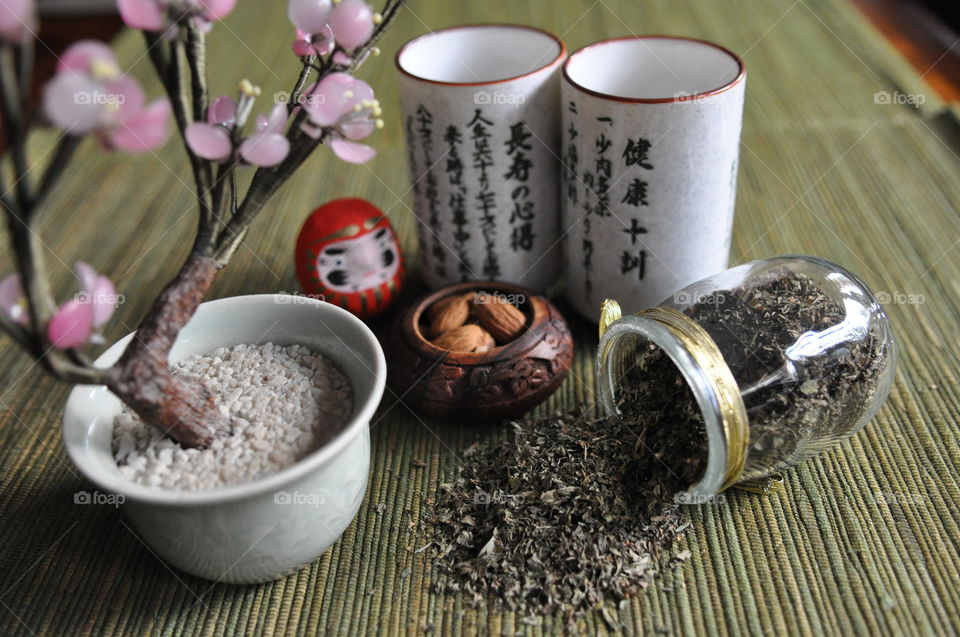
(559, 519)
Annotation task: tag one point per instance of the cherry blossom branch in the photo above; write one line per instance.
(29, 256)
(168, 59)
(304, 77)
(64, 152)
(197, 59)
(12, 104)
(213, 134)
(267, 181)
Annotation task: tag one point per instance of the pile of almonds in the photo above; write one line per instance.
(474, 322)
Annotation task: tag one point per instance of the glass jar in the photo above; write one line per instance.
(784, 356)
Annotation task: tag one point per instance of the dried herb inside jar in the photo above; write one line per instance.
(803, 378)
(658, 407)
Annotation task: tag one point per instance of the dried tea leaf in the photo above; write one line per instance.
(554, 520)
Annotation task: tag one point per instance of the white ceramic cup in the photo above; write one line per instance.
(260, 530)
(481, 109)
(651, 135)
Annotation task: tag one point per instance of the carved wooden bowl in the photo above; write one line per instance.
(502, 383)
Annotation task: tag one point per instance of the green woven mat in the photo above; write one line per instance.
(864, 539)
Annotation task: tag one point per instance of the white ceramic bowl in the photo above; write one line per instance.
(260, 530)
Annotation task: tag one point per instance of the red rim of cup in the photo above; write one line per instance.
(741, 73)
(560, 55)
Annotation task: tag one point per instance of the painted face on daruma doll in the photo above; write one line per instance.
(347, 254)
(358, 264)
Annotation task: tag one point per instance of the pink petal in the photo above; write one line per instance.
(86, 275)
(12, 301)
(72, 325)
(357, 130)
(352, 23)
(275, 122)
(311, 130)
(73, 102)
(327, 102)
(324, 106)
(322, 41)
(142, 14)
(302, 48)
(223, 110)
(209, 142)
(218, 9)
(342, 58)
(104, 296)
(82, 55)
(309, 15)
(123, 98)
(361, 91)
(265, 149)
(97, 290)
(351, 152)
(18, 20)
(144, 131)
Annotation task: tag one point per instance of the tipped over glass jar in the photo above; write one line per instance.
(748, 372)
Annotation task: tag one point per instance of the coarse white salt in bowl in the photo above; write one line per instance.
(282, 403)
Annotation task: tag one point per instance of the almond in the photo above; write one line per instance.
(465, 338)
(500, 318)
(488, 342)
(448, 313)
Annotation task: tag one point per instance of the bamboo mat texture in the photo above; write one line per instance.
(863, 540)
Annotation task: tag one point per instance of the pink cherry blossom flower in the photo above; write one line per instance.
(268, 146)
(320, 43)
(97, 290)
(13, 303)
(345, 105)
(320, 25)
(77, 321)
(164, 15)
(213, 139)
(141, 131)
(88, 94)
(330, 99)
(18, 20)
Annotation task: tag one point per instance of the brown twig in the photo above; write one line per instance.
(142, 378)
(12, 108)
(301, 83)
(169, 59)
(61, 158)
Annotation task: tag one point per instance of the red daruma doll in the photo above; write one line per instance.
(348, 254)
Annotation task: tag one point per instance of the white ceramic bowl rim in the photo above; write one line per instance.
(741, 70)
(492, 27)
(141, 493)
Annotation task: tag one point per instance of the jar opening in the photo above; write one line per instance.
(648, 375)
